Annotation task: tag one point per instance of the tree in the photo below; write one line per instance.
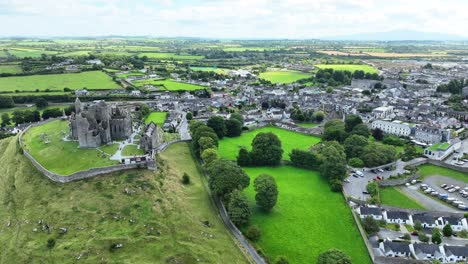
(233, 128)
(423, 237)
(6, 120)
(41, 103)
(354, 146)
(206, 143)
(334, 130)
(6, 102)
(304, 159)
(333, 256)
(417, 225)
(370, 225)
(447, 230)
(407, 236)
(266, 150)
(377, 154)
(333, 161)
(209, 155)
(436, 237)
(243, 159)
(200, 130)
(218, 125)
(356, 163)
(361, 130)
(253, 233)
(378, 134)
(237, 117)
(267, 192)
(319, 116)
(51, 113)
(226, 176)
(238, 208)
(351, 121)
(189, 116)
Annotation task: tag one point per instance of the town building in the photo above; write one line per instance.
(396, 128)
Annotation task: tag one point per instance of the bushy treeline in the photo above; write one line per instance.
(453, 87)
(336, 77)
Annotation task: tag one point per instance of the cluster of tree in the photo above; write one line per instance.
(25, 116)
(231, 127)
(374, 192)
(353, 135)
(307, 116)
(204, 140)
(455, 102)
(305, 159)
(206, 76)
(5, 134)
(6, 102)
(52, 113)
(453, 87)
(333, 256)
(337, 77)
(266, 151)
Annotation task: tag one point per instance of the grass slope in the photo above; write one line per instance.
(394, 197)
(433, 170)
(156, 117)
(132, 150)
(348, 67)
(170, 85)
(61, 157)
(229, 147)
(283, 76)
(92, 80)
(307, 220)
(97, 214)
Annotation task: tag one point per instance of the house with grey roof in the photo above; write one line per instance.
(374, 212)
(395, 249)
(427, 221)
(398, 217)
(455, 254)
(424, 251)
(456, 223)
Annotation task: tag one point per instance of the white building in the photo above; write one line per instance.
(396, 128)
(382, 112)
(440, 151)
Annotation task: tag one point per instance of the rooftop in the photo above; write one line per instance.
(439, 146)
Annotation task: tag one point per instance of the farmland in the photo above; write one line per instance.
(394, 197)
(170, 85)
(92, 80)
(10, 68)
(156, 117)
(174, 56)
(213, 69)
(284, 76)
(21, 53)
(306, 210)
(161, 222)
(229, 147)
(348, 67)
(61, 157)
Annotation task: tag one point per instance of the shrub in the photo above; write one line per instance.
(336, 185)
(238, 208)
(281, 260)
(423, 237)
(333, 256)
(447, 230)
(50, 243)
(185, 178)
(370, 225)
(253, 233)
(407, 236)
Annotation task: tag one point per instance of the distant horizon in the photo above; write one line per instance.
(228, 19)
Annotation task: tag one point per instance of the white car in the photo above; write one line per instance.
(451, 190)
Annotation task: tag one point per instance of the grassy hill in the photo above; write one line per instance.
(161, 221)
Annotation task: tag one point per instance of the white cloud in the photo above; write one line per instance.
(230, 18)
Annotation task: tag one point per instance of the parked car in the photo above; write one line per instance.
(451, 190)
(380, 170)
(443, 185)
(355, 175)
(365, 192)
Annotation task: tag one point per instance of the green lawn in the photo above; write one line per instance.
(213, 69)
(284, 76)
(308, 125)
(348, 67)
(76, 53)
(433, 170)
(161, 222)
(132, 150)
(229, 147)
(156, 117)
(110, 149)
(394, 197)
(32, 108)
(168, 55)
(92, 80)
(170, 85)
(34, 53)
(61, 157)
(10, 68)
(307, 220)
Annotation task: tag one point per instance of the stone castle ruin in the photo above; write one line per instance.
(152, 137)
(97, 123)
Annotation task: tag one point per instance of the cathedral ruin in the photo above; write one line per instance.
(98, 123)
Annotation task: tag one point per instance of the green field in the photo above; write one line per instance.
(61, 157)
(427, 170)
(21, 53)
(76, 53)
(168, 55)
(348, 67)
(170, 85)
(283, 76)
(92, 80)
(161, 222)
(132, 150)
(308, 125)
(10, 68)
(394, 197)
(32, 108)
(213, 69)
(109, 149)
(156, 117)
(229, 147)
(307, 220)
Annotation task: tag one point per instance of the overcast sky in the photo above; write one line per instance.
(230, 18)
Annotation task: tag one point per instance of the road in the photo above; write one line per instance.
(184, 130)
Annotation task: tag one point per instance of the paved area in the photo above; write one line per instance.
(183, 129)
(118, 154)
(427, 201)
(452, 159)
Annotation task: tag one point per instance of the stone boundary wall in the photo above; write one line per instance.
(77, 175)
(165, 145)
(388, 260)
(395, 182)
(370, 250)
